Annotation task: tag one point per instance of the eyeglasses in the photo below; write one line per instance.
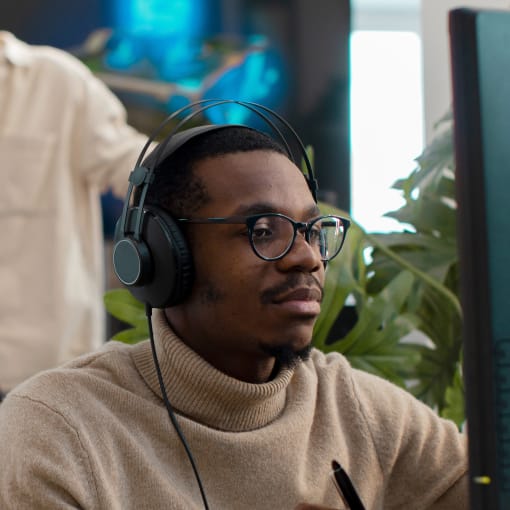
(272, 235)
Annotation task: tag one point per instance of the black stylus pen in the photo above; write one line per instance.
(348, 492)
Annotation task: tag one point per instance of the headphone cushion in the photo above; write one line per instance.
(172, 264)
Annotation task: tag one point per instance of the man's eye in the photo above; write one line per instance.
(315, 234)
(262, 233)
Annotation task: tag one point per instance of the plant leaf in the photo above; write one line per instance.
(132, 336)
(122, 305)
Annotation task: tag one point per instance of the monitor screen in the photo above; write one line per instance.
(480, 56)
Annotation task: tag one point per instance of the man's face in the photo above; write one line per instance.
(241, 307)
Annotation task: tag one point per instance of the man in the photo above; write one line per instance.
(63, 140)
(262, 415)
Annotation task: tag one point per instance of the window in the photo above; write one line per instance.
(386, 112)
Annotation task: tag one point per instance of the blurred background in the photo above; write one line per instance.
(158, 55)
(362, 81)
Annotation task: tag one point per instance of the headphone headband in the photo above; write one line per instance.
(263, 112)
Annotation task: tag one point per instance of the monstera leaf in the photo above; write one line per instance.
(122, 305)
(373, 343)
(404, 287)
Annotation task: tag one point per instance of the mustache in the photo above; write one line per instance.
(294, 281)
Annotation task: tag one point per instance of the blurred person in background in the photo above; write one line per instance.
(64, 140)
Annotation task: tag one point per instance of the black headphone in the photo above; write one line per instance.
(150, 254)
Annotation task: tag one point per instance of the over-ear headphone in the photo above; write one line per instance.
(150, 254)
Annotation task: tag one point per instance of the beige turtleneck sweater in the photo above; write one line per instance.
(95, 434)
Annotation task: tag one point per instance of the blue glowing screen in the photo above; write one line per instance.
(169, 41)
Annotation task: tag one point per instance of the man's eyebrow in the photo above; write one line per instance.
(258, 208)
(266, 207)
(314, 211)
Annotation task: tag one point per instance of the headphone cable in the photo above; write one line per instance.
(171, 413)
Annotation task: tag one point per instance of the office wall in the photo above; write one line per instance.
(61, 23)
(436, 54)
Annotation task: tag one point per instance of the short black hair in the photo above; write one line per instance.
(176, 188)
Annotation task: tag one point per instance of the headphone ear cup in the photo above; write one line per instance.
(171, 264)
(131, 261)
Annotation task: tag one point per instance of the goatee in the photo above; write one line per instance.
(286, 356)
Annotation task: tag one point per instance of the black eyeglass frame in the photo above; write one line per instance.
(250, 222)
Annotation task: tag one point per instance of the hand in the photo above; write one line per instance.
(306, 506)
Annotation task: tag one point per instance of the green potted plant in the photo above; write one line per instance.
(406, 296)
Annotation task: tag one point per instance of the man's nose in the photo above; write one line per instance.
(302, 254)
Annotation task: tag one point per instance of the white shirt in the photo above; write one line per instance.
(63, 140)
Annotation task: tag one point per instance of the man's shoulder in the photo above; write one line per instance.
(87, 375)
(107, 354)
(329, 372)
(328, 365)
(334, 369)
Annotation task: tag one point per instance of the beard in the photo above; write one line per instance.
(287, 356)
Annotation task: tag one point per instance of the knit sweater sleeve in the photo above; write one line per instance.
(43, 464)
(422, 456)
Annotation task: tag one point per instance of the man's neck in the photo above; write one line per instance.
(245, 367)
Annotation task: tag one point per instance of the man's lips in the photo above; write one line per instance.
(301, 294)
(302, 301)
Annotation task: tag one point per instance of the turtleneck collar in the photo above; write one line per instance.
(201, 392)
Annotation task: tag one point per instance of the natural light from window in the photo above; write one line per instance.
(386, 122)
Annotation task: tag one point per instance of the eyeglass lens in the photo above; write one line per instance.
(272, 236)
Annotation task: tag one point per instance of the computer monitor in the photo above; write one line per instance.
(480, 56)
